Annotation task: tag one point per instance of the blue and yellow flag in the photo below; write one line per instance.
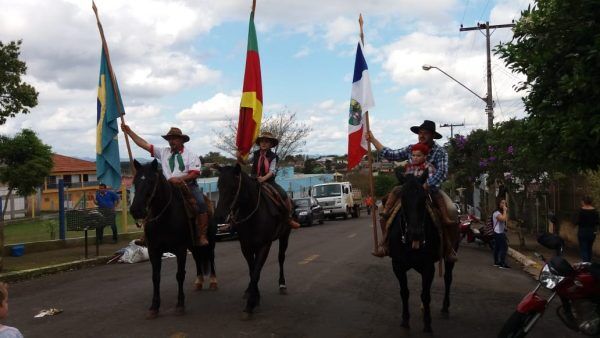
(108, 163)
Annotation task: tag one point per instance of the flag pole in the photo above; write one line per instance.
(370, 158)
(114, 84)
(253, 5)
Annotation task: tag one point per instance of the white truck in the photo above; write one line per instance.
(337, 199)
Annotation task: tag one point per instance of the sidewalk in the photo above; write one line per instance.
(526, 255)
(34, 264)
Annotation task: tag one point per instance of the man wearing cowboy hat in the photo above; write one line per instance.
(438, 157)
(264, 167)
(179, 166)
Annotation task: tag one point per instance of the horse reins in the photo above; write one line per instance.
(148, 209)
(231, 217)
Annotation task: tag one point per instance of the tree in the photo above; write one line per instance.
(15, 96)
(556, 46)
(216, 157)
(383, 184)
(284, 126)
(309, 166)
(24, 164)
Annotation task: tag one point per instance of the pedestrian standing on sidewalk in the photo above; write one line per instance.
(107, 201)
(587, 221)
(499, 220)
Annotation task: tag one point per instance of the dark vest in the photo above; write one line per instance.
(259, 171)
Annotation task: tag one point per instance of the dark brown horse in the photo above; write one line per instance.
(413, 223)
(258, 222)
(167, 229)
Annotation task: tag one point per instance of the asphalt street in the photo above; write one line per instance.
(335, 289)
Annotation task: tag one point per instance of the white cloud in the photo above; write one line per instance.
(218, 108)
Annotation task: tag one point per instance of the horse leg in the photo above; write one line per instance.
(250, 260)
(214, 284)
(283, 244)
(448, 268)
(254, 296)
(155, 261)
(181, 259)
(426, 280)
(400, 272)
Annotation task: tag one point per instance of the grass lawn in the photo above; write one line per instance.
(46, 228)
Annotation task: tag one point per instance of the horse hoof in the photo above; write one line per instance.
(213, 286)
(152, 314)
(198, 286)
(246, 315)
(179, 311)
(283, 290)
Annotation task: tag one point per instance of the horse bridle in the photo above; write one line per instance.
(404, 223)
(233, 213)
(149, 201)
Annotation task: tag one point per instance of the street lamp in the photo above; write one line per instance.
(489, 108)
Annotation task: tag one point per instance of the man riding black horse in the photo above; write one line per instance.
(438, 157)
(180, 166)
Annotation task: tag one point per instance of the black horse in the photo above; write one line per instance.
(167, 228)
(244, 203)
(414, 223)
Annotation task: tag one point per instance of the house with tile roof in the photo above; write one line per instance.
(79, 177)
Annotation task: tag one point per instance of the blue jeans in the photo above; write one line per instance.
(202, 208)
(586, 241)
(500, 248)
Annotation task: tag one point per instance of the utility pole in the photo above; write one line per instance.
(489, 108)
(452, 127)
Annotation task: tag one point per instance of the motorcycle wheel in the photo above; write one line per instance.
(514, 326)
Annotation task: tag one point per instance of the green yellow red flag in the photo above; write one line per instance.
(252, 96)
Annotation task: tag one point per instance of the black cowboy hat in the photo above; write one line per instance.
(427, 125)
(266, 136)
(176, 132)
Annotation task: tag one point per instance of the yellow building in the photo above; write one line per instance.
(79, 177)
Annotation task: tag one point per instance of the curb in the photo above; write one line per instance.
(530, 266)
(48, 270)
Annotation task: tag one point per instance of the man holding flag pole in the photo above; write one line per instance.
(361, 101)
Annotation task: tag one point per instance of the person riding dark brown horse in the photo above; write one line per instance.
(264, 169)
(438, 157)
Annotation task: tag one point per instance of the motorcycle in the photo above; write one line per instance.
(473, 230)
(577, 286)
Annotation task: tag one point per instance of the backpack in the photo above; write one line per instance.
(488, 229)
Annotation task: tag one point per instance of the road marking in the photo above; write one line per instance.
(351, 235)
(308, 259)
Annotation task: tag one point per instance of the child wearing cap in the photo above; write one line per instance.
(416, 167)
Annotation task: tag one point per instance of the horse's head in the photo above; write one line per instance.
(413, 196)
(145, 183)
(228, 184)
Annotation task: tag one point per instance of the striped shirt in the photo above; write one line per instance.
(438, 157)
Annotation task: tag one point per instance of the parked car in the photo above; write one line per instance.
(224, 231)
(307, 210)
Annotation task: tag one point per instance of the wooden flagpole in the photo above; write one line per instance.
(370, 158)
(114, 84)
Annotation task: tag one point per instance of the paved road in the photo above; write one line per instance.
(336, 289)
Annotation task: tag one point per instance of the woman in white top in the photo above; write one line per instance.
(499, 219)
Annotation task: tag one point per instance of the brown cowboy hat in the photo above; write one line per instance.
(176, 132)
(427, 125)
(266, 136)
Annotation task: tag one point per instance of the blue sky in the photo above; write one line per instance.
(180, 63)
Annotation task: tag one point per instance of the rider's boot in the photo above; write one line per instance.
(202, 228)
(291, 221)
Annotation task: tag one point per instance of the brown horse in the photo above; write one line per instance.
(258, 222)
